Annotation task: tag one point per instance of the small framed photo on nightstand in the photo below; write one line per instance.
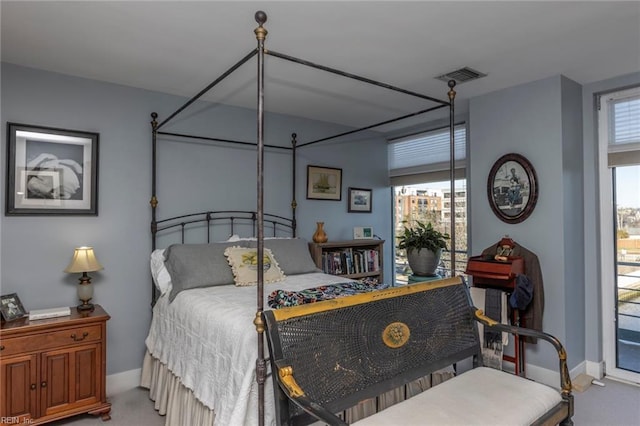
(11, 308)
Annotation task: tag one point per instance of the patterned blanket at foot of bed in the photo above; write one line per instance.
(283, 298)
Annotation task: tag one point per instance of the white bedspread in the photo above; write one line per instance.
(207, 338)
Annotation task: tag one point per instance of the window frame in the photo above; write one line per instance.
(607, 237)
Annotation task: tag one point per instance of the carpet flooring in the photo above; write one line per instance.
(616, 404)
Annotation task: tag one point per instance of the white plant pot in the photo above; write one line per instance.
(424, 262)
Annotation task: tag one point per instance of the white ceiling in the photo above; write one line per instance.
(179, 47)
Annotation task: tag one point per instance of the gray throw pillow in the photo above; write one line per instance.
(292, 255)
(198, 265)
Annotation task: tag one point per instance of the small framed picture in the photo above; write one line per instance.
(359, 200)
(324, 183)
(362, 233)
(51, 171)
(10, 307)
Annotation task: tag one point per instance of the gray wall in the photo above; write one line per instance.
(572, 218)
(553, 123)
(539, 121)
(35, 250)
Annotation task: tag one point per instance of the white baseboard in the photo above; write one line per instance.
(543, 375)
(595, 369)
(552, 377)
(122, 382)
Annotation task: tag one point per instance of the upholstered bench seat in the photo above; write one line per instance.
(481, 396)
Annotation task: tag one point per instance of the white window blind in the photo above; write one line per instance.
(424, 157)
(621, 113)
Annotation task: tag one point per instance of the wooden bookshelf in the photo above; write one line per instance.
(352, 258)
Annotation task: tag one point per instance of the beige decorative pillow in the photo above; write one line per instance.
(244, 262)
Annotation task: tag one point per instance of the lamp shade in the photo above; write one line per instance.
(84, 260)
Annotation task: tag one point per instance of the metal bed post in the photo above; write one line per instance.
(154, 199)
(261, 370)
(294, 204)
(452, 173)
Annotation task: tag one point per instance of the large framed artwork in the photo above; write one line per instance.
(51, 171)
(512, 188)
(324, 183)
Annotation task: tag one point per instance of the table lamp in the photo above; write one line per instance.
(84, 260)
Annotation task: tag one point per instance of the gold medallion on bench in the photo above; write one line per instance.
(396, 334)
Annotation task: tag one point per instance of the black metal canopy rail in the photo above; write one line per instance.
(440, 103)
(260, 51)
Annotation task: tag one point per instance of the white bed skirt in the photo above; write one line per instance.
(181, 407)
(172, 398)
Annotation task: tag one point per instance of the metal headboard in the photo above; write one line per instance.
(202, 224)
(278, 225)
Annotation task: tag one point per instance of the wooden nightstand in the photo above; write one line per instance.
(53, 368)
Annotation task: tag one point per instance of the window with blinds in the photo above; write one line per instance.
(620, 112)
(424, 157)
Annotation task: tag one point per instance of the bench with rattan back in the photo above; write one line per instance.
(330, 355)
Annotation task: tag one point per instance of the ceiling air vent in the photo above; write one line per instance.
(461, 75)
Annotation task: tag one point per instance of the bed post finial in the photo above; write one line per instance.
(451, 93)
(261, 17)
(154, 122)
(261, 32)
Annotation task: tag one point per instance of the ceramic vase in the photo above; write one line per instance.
(320, 236)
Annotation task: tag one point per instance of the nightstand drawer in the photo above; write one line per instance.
(51, 340)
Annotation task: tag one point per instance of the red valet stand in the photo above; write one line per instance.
(500, 273)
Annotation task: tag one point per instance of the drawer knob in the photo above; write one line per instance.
(43, 384)
(79, 339)
(33, 386)
(1, 347)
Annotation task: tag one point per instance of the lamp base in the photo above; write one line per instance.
(85, 307)
(85, 293)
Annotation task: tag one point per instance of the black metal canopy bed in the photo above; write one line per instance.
(203, 363)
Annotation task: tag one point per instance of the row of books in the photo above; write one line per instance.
(350, 261)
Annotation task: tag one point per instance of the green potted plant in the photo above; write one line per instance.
(423, 245)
